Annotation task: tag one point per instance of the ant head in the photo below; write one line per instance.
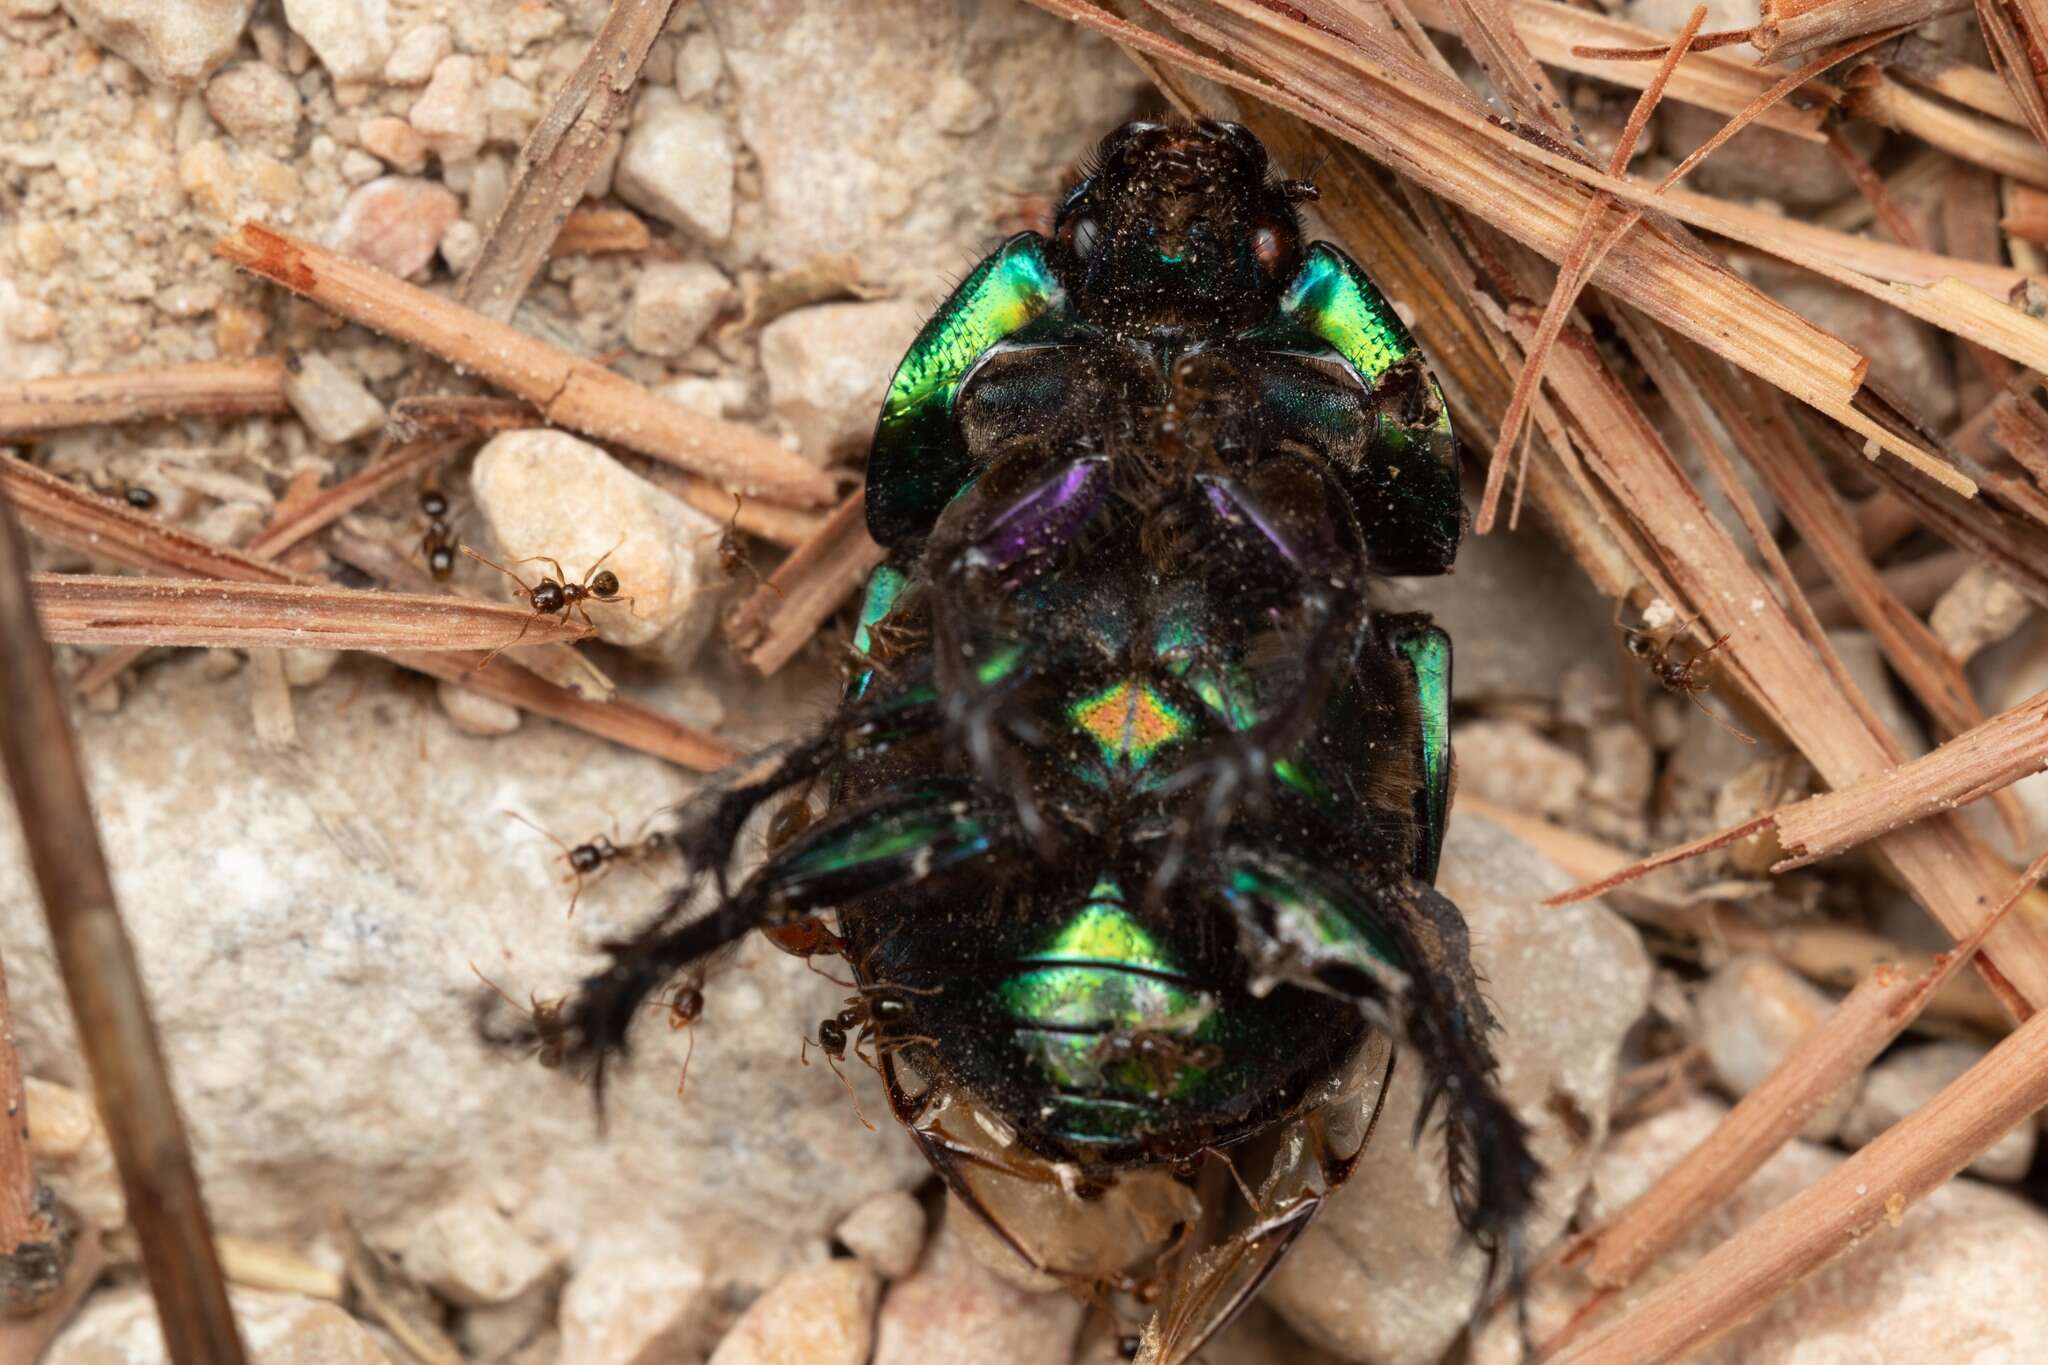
(604, 584)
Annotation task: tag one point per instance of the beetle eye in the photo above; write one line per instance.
(1080, 233)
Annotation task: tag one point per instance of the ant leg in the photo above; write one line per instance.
(524, 626)
(492, 563)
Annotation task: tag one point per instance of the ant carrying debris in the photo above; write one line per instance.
(1658, 649)
(438, 544)
(594, 857)
(557, 596)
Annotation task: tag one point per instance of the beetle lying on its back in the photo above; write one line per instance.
(1136, 800)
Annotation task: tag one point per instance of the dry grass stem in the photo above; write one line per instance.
(784, 612)
(1792, 28)
(104, 983)
(569, 391)
(2016, 34)
(213, 388)
(1990, 143)
(88, 609)
(416, 417)
(593, 232)
(1588, 43)
(560, 156)
(277, 1270)
(106, 529)
(1873, 1187)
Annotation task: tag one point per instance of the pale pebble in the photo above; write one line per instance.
(821, 1314)
(887, 1232)
(332, 403)
(822, 377)
(394, 223)
(171, 42)
(677, 164)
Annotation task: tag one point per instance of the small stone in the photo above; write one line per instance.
(309, 666)
(475, 714)
(887, 1232)
(187, 299)
(1980, 608)
(449, 114)
(120, 1327)
(1753, 1012)
(959, 106)
(171, 42)
(461, 244)
(699, 64)
(394, 141)
(1508, 763)
(1623, 766)
(821, 378)
(677, 164)
(955, 1308)
(510, 110)
(490, 184)
(469, 1252)
(60, 1120)
(1384, 1274)
(40, 245)
(673, 305)
(822, 1314)
(499, 1332)
(416, 55)
(32, 320)
(332, 403)
(394, 223)
(256, 103)
(634, 1310)
(358, 167)
(275, 183)
(1908, 1079)
(22, 358)
(206, 174)
(548, 493)
(239, 331)
(352, 38)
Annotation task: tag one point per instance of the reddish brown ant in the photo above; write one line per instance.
(595, 856)
(732, 551)
(1657, 648)
(438, 544)
(866, 1016)
(546, 1033)
(557, 596)
(685, 1007)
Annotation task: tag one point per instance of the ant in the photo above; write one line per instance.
(732, 551)
(594, 857)
(438, 544)
(557, 596)
(862, 1019)
(546, 1032)
(1655, 647)
(685, 1008)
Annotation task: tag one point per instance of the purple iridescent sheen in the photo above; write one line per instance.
(1230, 503)
(1046, 517)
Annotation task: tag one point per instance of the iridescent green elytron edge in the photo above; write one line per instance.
(916, 465)
(1428, 652)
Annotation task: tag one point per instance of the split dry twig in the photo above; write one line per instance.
(773, 624)
(104, 984)
(213, 388)
(568, 391)
(89, 609)
(1793, 28)
(1874, 1186)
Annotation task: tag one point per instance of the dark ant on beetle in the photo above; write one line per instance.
(557, 596)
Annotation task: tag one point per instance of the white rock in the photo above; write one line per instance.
(255, 102)
(1956, 1280)
(461, 244)
(1753, 1012)
(309, 666)
(332, 403)
(475, 714)
(822, 1314)
(887, 1232)
(822, 376)
(171, 42)
(473, 1256)
(677, 164)
(1383, 1274)
(416, 55)
(119, 1327)
(1980, 608)
(714, 397)
(511, 108)
(635, 1310)
(956, 1309)
(18, 358)
(547, 493)
(699, 64)
(1901, 1083)
(394, 223)
(673, 304)
(358, 167)
(449, 114)
(1510, 764)
(351, 38)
